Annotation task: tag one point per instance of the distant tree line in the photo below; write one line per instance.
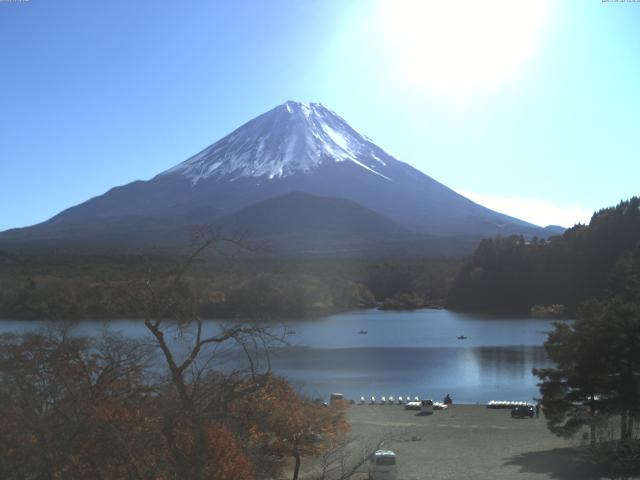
(96, 286)
(513, 274)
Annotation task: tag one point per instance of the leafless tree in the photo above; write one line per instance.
(195, 357)
(349, 458)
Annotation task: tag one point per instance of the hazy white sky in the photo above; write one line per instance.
(532, 106)
(536, 211)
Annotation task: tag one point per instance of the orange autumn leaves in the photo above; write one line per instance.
(93, 409)
(227, 458)
(285, 424)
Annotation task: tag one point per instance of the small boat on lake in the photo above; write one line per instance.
(363, 332)
(462, 337)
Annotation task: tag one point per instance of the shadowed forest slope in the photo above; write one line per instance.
(511, 274)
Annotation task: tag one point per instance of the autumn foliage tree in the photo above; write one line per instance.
(190, 401)
(79, 408)
(75, 408)
(282, 423)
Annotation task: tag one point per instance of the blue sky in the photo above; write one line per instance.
(533, 110)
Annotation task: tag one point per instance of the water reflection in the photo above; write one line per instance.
(471, 374)
(403, 353)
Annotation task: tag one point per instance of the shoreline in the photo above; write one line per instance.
(301, 316)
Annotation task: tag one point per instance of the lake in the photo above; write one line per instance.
(402, 353)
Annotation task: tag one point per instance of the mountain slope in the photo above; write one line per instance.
(302, 215)
(295, 147)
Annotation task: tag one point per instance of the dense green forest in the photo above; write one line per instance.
(102, 285)
(511, 274)
(593, 387)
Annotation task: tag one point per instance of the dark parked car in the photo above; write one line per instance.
(522, 411)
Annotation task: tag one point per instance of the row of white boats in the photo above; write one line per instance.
(406, 401)
(506, 404)
(388, 400)
(414, 403)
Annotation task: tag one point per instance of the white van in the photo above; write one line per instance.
(383, 466)
(426, 406)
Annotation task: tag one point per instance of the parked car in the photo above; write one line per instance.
(412, 406)
(523, 411)
(383, 466)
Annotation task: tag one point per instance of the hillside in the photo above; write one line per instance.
(511, 274)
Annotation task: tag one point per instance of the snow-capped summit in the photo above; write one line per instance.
(294, 137)
(296, 163)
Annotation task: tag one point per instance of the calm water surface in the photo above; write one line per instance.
(403, 353)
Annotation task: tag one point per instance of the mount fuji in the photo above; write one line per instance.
(299, 158)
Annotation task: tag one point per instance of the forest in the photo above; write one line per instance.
(75, 286)
(513, 274)
(593, 388)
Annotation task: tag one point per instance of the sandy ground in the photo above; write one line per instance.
(467, 442)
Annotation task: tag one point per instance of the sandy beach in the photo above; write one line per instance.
(469, 442)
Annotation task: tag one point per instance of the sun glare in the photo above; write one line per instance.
(459, 45)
